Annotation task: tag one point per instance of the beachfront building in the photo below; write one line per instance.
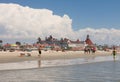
(76, 45)
(65, 44)
(89, 44)
(88, 41)
(53, 43)
(62, 44)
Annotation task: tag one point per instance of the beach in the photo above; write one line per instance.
(75, 67)
(8, 57)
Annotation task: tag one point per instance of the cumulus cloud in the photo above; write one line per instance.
(24, 22)
(19, 22)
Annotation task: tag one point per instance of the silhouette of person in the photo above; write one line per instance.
(39, 51)
(114, 53)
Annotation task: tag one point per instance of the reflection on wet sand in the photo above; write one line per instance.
(49, 63)
(87, 59)
(39, 63)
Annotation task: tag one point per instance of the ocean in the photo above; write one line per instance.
(99, 69)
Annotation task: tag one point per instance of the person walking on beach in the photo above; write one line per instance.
(39, 51)
(114, 53)
(93, 49)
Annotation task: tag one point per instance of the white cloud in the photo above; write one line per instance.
(102, 35)
(25, 22)
(18, 22)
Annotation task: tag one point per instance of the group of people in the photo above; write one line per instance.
(88, 50)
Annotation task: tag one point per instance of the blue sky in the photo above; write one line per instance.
(74, 19)
(84, 13)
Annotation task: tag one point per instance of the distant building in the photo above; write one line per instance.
(76, 45)
(89, 42)
(65, 43)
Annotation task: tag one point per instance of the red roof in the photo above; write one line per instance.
(88, 41)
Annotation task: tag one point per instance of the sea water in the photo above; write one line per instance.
(90, 70)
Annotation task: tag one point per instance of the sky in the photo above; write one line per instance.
(26, 20)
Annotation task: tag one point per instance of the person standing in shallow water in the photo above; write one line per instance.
(114, 53)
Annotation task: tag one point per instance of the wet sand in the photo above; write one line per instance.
(7, 57)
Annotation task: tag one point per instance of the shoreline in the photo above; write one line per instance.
(11, 57)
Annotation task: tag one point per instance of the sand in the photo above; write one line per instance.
(7, 57)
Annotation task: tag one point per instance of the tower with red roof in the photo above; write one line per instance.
(88, 41)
